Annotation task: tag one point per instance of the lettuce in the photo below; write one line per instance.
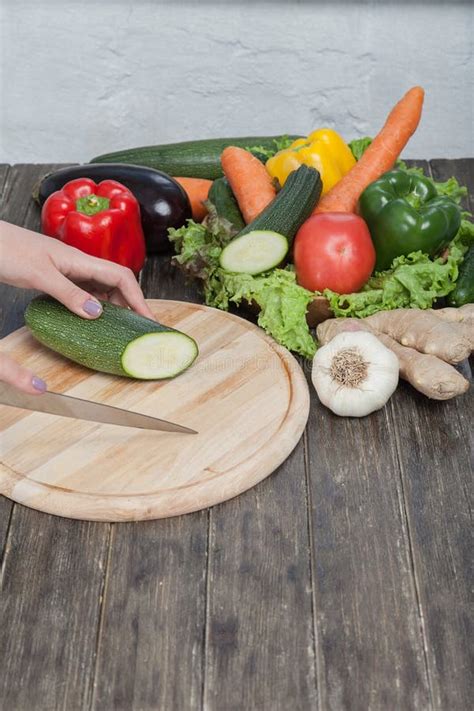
(414, 281)
(199, 246)
(263, 154)
(359, 145)
(283, 304)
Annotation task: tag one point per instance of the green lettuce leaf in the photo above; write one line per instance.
(263, 154)
(414, 281)
(359, 145)
(283, 304)
(452, 189)
(198, 246)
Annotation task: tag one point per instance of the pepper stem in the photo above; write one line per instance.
(92, 204)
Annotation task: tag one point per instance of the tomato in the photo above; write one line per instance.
(333, 250)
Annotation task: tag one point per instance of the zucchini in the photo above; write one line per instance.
(190, 159)
(119, 341)
(223, 199)
(292, 206)
(463, 292)
(254, 252)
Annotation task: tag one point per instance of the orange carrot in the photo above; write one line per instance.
(379, 157)
(249, 180)
(197, 190)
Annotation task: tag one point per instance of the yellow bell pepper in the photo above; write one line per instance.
(323, 149)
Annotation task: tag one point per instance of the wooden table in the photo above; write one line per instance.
(340, 582)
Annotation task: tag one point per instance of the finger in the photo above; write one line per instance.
(133, 295)
(113, 276)
(22, 378)
(72, 296)
(115, 297)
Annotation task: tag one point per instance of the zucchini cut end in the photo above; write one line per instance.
(157, 356)
(254, 252)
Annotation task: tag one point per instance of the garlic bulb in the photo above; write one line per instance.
(354, 374)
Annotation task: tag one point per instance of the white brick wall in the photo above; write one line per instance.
(84, 77)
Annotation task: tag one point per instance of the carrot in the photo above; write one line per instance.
(197, 190)
(379, 157)
(249, 180)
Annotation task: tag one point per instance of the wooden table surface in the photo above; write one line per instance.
(341, 582)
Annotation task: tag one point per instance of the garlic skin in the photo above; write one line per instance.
(355, 374)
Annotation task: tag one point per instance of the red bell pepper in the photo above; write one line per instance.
(100, 219)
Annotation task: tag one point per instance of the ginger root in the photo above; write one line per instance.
(464, 317)
(424, 332)
(422, 343)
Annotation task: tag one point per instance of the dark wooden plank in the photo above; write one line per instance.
(50, 589)
(4, 170)
(259, 640)
(151, 639)
(434, 444)
(6, 505)
(53, 568)
(370, 647)
(161, 280)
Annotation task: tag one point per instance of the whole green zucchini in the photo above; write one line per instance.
(119, 341)
(463, 292)
(292, 205)
(223, 199)
(193, 159)
(264, 243)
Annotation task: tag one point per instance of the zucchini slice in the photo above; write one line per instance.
(119, 342)
(160, 355)
(254, 252)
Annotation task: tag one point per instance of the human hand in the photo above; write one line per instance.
(33, 261)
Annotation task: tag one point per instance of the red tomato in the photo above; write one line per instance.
(333, 250)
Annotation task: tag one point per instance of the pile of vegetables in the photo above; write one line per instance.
(409, 246)
(304, 229)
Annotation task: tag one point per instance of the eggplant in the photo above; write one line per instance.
(163, 202)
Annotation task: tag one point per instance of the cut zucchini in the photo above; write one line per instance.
(156, 356)
(119, 342)
(254, 252)
(292, 206)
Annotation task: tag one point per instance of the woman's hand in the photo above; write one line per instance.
(33, 261)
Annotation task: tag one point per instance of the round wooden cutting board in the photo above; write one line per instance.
(245, 394)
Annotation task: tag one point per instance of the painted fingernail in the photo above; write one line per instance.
(92, 308)
(38, 384)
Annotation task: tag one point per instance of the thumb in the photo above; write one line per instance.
(73, 297)
(22, 378)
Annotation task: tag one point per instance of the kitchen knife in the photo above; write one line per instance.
(66, 406)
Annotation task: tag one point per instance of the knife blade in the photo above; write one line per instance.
(67, 406)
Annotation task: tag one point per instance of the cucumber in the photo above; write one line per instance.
(223, 199)
(463, 293)
(190, 159)
(119, 341)
(292, 205)
(254, 252)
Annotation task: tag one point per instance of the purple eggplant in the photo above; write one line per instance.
(163, 202)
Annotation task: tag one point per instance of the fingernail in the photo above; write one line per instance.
(38, 384)
(92, 308)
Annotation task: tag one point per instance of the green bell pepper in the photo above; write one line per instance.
(404, 214)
